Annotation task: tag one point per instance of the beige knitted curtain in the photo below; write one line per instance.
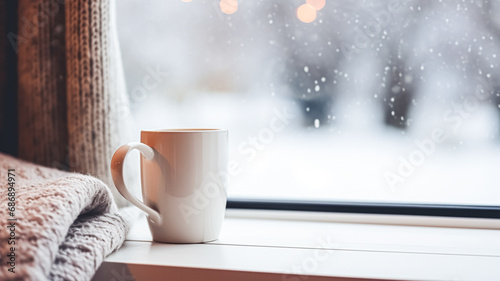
(72, 104)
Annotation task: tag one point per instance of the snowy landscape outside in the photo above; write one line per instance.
(380, 101)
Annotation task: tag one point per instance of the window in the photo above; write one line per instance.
(390, 102)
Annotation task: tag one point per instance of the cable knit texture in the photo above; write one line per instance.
(66, 223)
(72, 104)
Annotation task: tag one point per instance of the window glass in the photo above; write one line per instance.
(368, 100)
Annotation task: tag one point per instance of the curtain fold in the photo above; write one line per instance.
(43, 130)
(8, 78)
(3, 68)
(73, 109)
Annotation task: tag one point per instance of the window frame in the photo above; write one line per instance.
(413, 209)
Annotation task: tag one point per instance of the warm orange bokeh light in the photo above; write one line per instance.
(317, 4)
(228, 6)
(306, 13)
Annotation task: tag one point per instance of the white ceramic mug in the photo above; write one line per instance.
(184, 182)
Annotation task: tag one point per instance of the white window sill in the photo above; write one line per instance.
(254, 247)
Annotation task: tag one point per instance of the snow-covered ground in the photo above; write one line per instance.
(346, 161)
(255, 71)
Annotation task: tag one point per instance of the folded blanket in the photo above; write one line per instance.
(63, 226)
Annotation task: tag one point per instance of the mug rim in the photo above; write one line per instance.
(187, 130)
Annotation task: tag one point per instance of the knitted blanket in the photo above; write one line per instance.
(62, 225)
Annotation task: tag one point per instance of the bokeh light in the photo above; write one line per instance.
(228, 6)
(306, 13)
(317, 4)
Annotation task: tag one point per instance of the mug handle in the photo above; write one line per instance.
(117, 175)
